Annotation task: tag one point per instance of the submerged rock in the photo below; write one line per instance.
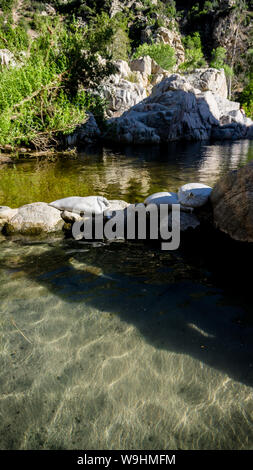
(232, 202)
(194, 194)
(33, 219)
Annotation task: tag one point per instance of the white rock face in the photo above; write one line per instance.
(82, 205)
(175, 110)
(210, 79)
(121, 94)
(122, 67)
(194, 194)
(6, 214)
(35, 218)
(162, 198)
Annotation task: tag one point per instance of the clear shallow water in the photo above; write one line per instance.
(131, 174)
(120, 345)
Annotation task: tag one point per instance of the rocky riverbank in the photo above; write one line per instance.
(228, 208)
(147, 104)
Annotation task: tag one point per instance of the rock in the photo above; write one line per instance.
(5, 159)
(122, 68)
(225, 106)
(6, 214)
(194, 194)
(7, 58)
(82, 205)
(121, 95)
(210, 79)
(167, 35)
(162, 198)
(233, 131)
(232, 202)
(33, 219)
(85, 133)
(176, 110)
(143, 65)
(187, 221)
(117, 205)
(70, 217)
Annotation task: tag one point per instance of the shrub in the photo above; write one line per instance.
(246, 99)
(162, 53)
(46, 95)
(193, 53)
(218, 61)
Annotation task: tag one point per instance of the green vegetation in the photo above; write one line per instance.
(45, 94)
(193, 53)
(162, 53)
(63, 53)
(246, 99)
(218, 60)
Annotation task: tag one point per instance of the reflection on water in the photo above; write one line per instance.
(120, 345)
(131, 174)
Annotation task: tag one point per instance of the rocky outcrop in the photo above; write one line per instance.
(123, 90)
(85, 133)
(176, 110)
(167, 35)
(210, 79)
(34, 219)
(232, 202)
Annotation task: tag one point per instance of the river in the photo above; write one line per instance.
(119, 345)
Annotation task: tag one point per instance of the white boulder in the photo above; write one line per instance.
(32, 219)
(194, 194)
(82, 205)
(162, 198)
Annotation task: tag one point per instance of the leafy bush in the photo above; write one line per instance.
(46, 94)
(193, 53)
(246, 99)
(162, 53)
(218, 61)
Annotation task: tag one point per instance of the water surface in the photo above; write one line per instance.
(119, 345)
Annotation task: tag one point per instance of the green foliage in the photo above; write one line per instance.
(109, 36)
(193, 53)
(7, 5)
(17, 39)
(162, 53)
(218, 61)
(246, 99)
(45, 94)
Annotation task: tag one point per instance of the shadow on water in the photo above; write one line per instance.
(195, 301)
